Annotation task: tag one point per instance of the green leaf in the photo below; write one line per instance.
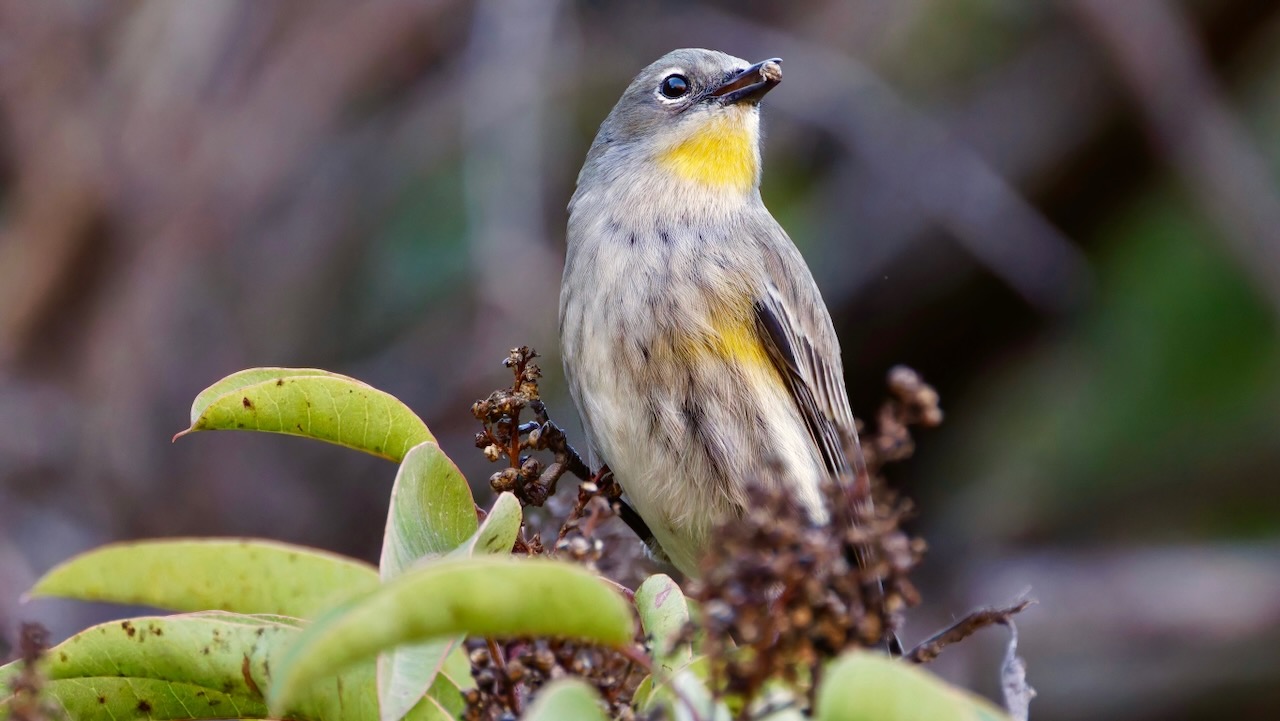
(443, 701)
(861, 686)
(568, 699)
(250, 377)
(209, 665)
(432, 513)
(691, 680)
(207, 662)
(100, 698)
(498, 532)
(485, 596)
(418, 661)
(692, 700)
(664, 613)
(312, 404)
(406, 673)
(239, 575)
(643, 697)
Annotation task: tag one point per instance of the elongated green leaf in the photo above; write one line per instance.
(98, 698)
(198, 653)
(488, 596)
(213, 665)
(432, 511)
(664, 614)
(326, 407)
(250, 377)
(239, 575)
(446, 690)
(406, 669)
(861, 686)
(568, 699)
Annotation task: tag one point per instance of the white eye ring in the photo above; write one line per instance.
(673, 73)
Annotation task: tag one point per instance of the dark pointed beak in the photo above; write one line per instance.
(751, 84)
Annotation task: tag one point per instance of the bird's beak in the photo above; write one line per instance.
(751, 84)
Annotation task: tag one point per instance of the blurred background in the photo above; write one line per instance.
(1065, 215)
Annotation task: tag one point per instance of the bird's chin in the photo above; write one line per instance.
(719, 149)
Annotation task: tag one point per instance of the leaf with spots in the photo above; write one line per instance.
(213, 665)
(861, 685)
(102, 698)
(664, 613)
(313, 404)
(250, 377)
(239, 575)
(484, 596)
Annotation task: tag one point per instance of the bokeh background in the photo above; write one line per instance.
(1064, 214)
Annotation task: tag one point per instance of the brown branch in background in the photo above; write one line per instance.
(930, 648)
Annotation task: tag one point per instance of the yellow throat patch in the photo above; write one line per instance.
(723, 153)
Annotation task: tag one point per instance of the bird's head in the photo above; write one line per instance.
(693, 114)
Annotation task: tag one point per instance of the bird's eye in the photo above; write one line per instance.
(673, 86)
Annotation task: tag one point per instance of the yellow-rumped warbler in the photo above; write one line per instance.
(696, 344)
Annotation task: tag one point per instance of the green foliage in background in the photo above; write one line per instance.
(1173, 375)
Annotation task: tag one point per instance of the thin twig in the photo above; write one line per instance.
(931, 647)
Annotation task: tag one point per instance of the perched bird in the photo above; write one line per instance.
(696, 345)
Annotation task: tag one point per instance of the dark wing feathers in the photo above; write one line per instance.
(813, 377)
(807, 354)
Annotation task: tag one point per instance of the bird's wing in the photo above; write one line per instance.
(805, 351)
(796, 330)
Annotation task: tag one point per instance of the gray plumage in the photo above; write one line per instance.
(696, 344)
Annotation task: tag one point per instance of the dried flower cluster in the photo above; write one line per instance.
(781, 594)
(504, 436)
(912, 402)
(508, 675)
(509, 672)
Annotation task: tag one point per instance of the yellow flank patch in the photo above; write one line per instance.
(739, 343)
(734, 339)
(721, 153)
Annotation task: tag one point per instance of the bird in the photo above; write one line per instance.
(696, 344)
